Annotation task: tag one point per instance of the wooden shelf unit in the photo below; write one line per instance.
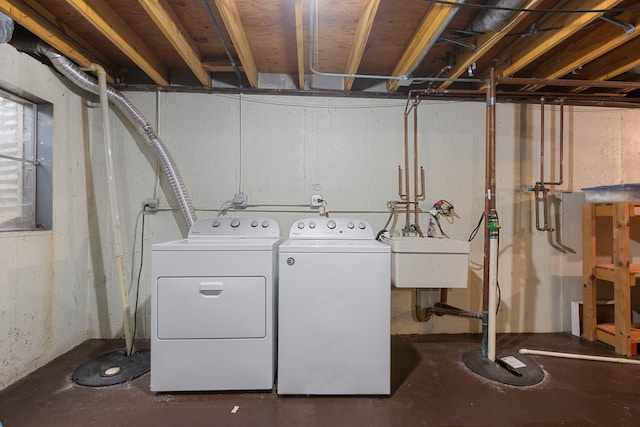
(620, 272)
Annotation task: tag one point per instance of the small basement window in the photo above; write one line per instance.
(26, 136)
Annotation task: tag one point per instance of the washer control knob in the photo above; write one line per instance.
(362, 226)
(301, 225)
(265, 224)
(254, 223)
(235, 223)
(350, 225)
(331, 224)
(312, 224)
(215, 223)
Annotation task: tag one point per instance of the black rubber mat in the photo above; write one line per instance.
(112, 368)
(510, 367)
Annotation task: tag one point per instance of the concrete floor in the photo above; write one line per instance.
(430, 387)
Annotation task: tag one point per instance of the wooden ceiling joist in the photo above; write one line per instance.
(365, 23)
(602, 40)
(167, 21)
(109, 23)
(567, 24)
(104, 62)
(432, 25)
(233, 23)
(51, 34)
(300, 43)
(485, 42)
(607, 67)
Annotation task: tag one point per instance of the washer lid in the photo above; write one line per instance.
(333, 246)
(219, 244)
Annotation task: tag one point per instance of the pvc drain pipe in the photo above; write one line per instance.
(580, 356)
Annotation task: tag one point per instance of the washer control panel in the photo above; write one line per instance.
(331, 228)
(235, 227)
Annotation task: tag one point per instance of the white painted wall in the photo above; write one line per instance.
(279, 150)
(45, 275)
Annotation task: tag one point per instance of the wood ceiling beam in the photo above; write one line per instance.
(567, 24)
(232, 21)
(602, 40)
(365, 23)
(609, 66)
(104, 62)
(300, 43)
(109, 23)
(485, 42)
(432, 25)
(51, 34)
(167, 21)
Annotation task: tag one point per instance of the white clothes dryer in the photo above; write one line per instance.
(212, 307)
(334, 309)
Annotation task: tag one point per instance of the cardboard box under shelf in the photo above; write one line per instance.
(605, 312)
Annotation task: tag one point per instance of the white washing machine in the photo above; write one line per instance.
(212, 307)
(333, 309)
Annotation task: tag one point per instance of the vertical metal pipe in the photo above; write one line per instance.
(542, 140)
(415, 166)
(406, 170)
(560, 149)
(560, 180)
(489, 205)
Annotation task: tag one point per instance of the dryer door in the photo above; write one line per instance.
(211, 307)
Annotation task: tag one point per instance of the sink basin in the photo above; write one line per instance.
(423, 262)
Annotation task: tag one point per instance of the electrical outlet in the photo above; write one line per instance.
(240, 200)
(316, 200)
(151, 205)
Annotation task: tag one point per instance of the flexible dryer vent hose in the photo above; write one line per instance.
(84, 81)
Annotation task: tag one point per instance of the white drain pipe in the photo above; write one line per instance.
(493, 298)
(114, 207)
(580, 356)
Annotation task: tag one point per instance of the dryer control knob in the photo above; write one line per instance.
(362, 226)
(301, 225)
(215, 223)
(331, 224)
(254, 223)
(235, 223)
(312, 224)
(265, 224)
(350, 225)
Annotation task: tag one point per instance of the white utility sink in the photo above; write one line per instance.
(428, 262)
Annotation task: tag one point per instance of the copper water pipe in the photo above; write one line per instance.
(542, 142)
(568, 82)
(560, 149)
(490, 174)
(417, 196)
(407, 195)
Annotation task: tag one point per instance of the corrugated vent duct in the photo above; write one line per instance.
(492, 18)
(6, 28)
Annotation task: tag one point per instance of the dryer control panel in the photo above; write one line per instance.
(331, 228)
(235, 227)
